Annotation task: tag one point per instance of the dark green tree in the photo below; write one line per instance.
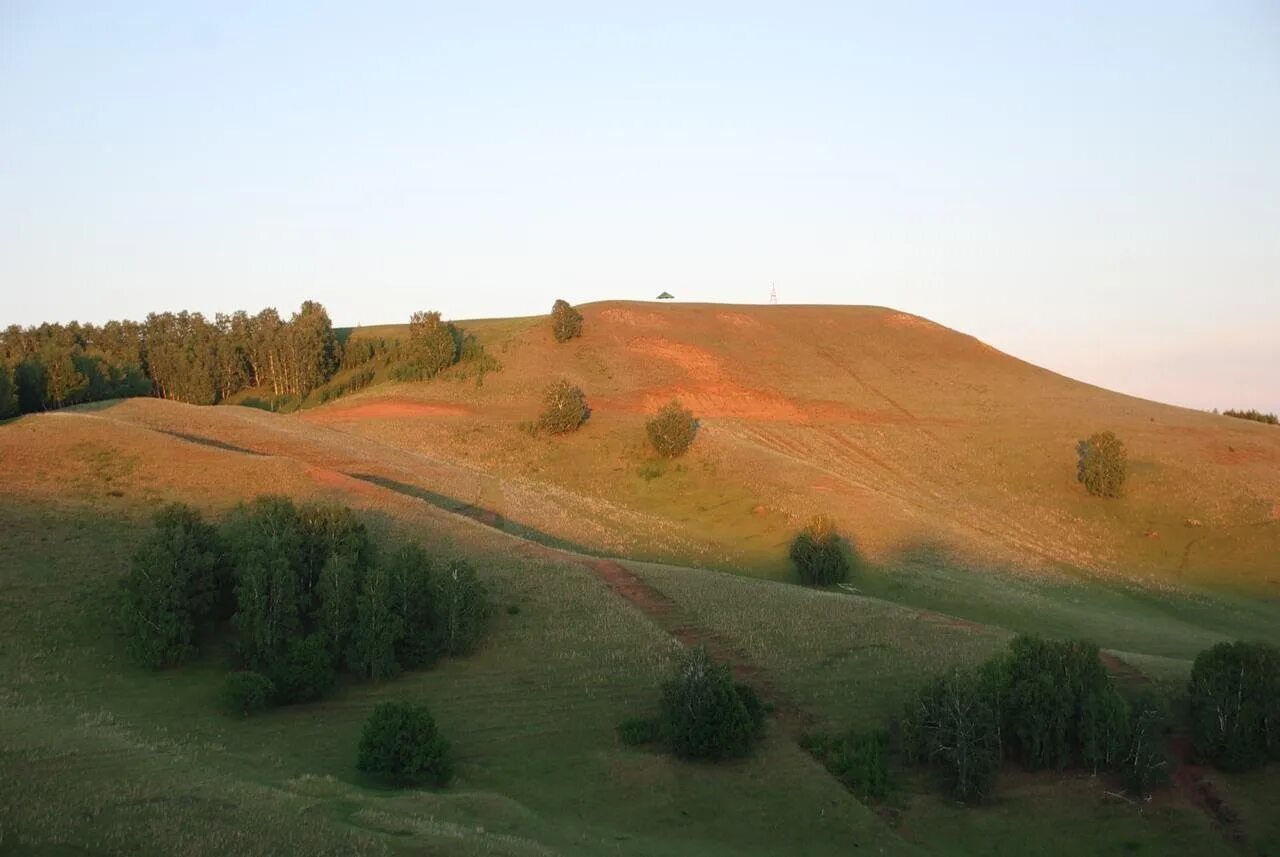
(1102, 464)
(432, 348)
(249, 692)
(402, 744)
(818, 554)
(421, 636)
(378, 627)
(172, 591)
(566, 322)
(461, 608)
(264, 540)
(8, 393)
(704, 714)
(304, 672)
(337, 596)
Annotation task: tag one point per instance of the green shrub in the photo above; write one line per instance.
(1235, 704)
(1145, 764)
(703, 714)
(672, 430)
(249, 691)
(639, 730)
(818, 555)
(174, 589)
(401, 743)
(564, 408)
(860, 760)
(566, 322)
(952, 725)
(461, 608)
(1102, 464)
(304, 673)
(432, 347)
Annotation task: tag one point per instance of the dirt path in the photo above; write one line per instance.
(666, 615)
(1191, 781)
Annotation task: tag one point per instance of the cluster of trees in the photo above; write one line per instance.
(1045, 703)
(1235, 704)
(181, 356)
(304, 591)
(1102, 464)
(702, 713)
(1052, 705)
(1255, 415)
(433, 346)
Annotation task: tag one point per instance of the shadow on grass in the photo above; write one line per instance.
(208, 441)
(477, 513)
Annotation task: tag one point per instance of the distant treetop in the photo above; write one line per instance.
(1256, 416)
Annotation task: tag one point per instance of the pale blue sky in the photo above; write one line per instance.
(1093, 186)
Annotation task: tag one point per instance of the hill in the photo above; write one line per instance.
(919, 441)
(850, 411)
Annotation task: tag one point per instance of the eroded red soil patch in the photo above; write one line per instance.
(376, 409)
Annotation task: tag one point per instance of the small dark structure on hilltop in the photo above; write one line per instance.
(666, 296)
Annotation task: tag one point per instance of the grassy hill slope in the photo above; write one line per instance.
(920, 442)
(951, 464)
(99, 756)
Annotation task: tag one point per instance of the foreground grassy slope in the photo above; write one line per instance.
(98, 756)
(922, 442)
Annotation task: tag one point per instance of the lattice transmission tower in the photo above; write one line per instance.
(773, 293)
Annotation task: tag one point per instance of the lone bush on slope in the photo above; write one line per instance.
(818, 555)
(566, 322)
(672, 429)
(1102, 464)
(564, 408)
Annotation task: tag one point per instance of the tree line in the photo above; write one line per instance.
(189, 358)
(182, 356)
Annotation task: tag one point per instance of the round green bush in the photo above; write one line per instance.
(703, 714)
(401, 743)
(566, 322)
(249, 691)
(1102, 464)
(564, 408)
(672, 430)
(818, 556)
(1235, 704)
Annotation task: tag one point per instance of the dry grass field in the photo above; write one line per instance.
(949, 465)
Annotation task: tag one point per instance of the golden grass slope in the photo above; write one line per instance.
(914, 437)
